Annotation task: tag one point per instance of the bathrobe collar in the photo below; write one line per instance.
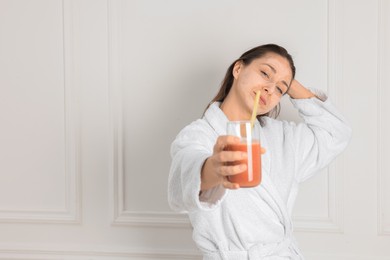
(216, 118)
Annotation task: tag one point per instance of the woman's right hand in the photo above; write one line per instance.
(218, 166)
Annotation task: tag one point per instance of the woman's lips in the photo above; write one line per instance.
(262, 100)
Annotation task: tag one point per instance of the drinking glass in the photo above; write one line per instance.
(249, 143)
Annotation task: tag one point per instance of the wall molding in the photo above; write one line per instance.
(344, 256)
(383, 179)
(333, 222)
(34, 254)
(136, 254)
(71, 212)
(162, 219)
(119, 214)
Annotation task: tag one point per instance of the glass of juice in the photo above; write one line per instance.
(249, 143)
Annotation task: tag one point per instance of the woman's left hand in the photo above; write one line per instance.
(298, 91)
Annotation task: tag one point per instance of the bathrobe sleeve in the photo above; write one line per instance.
(193, 145)
(323, 135)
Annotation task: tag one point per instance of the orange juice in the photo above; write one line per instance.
(252, 176)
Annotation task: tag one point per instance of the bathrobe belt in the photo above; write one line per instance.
(285, 249)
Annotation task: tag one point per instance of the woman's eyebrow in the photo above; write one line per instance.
(274, 70)
(285, 83)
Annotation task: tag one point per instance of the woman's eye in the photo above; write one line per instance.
(280, 90)
(265, 74)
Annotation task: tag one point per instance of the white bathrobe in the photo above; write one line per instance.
(254, 223)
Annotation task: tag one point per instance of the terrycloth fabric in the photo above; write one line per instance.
(254, 223)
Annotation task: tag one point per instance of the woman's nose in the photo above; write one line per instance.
(269, 88)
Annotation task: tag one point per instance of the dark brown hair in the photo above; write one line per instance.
(246, 59)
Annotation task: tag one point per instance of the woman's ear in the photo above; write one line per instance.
(237, 68)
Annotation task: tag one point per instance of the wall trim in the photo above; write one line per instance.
(159, 219)
(136, 254)
(383, 219)
(71, 212)
(33, 254)
(344, 256)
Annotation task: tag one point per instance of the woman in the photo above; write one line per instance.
(253, 223)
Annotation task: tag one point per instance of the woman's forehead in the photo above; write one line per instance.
(273, 58)
(278, 64)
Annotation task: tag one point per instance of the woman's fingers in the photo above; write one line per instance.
(231, 156)
(227, 163)
(223, 141)
(232, 169)
(230, 185)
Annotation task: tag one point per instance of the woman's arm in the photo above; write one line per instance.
(199, 168)
(321, 137)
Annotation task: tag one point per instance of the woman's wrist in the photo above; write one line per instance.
(207, 180)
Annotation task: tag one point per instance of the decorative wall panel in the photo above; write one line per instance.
(39, 133)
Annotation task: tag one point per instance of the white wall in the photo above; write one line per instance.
(93, 92)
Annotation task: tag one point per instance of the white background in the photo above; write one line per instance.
(93, 92)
